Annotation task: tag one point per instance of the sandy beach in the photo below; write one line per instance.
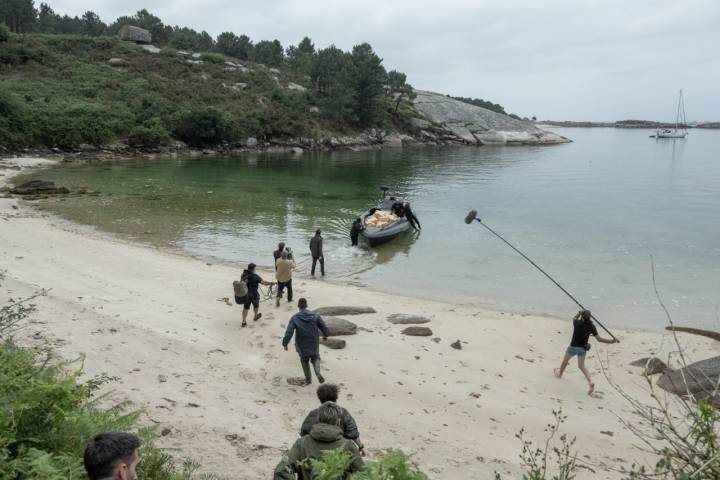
(158, 321)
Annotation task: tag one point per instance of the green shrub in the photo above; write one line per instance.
(12, 120)
(4, 32)
(212, 57)
(394, 465)
(168, 52)
(204, 126)
(151, 133)
(68, 124)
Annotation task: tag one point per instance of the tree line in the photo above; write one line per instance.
(353, 87)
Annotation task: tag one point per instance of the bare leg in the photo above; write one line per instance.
(244, 316)
(583, 368)
(255, 312)
(559, 371)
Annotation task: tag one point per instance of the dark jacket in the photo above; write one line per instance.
(347, 424)
(322, 437)
(316, 246)
(305, 325)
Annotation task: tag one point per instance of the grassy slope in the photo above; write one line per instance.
(63, 82)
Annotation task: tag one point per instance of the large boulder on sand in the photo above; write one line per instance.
(405, 319)
(343, 310)
(417, 331)
(698, 379)
(130, 33)
(652, 365)
(340, 326)
(334, 343)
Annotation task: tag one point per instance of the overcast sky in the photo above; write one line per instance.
(596, 60)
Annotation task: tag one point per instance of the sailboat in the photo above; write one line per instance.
(680, 130)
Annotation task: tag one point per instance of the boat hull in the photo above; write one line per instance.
(379, 236)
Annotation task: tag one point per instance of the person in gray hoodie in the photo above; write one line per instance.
(306, 325)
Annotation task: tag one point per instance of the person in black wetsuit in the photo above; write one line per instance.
(355, 230)
(410, 215)
(398, 208)
(583, 327)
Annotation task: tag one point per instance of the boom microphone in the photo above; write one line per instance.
(470, 216)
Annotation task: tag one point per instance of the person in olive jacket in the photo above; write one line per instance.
(326, 434)
(329, 393)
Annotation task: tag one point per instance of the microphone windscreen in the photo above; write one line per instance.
(470, 216)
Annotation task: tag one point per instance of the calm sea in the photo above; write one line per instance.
(592, 213)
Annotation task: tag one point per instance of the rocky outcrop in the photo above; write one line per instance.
(36, 187)
(134, 34)
(699, 379)
(453, 121)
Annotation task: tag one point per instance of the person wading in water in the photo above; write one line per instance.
(583, 327)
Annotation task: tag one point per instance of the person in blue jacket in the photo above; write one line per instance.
(306, 325)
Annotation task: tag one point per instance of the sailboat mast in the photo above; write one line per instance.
(677, 115)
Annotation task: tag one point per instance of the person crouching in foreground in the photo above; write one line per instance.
(306, 325)
(329, 393)
(326, 434)
(583, 327)
(112, 456)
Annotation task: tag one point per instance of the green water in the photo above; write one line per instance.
(591, 212)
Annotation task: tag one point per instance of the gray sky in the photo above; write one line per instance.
(572, 60)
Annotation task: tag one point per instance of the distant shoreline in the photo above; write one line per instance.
(622, 124)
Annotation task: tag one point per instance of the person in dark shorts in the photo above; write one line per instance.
(253, 281)
(583, 327)
(306, 326)
(328, 392)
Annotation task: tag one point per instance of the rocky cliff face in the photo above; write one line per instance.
(452, 121)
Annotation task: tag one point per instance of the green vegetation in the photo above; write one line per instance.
(48, 414)
(59, 89)
(394, 465)
(479, 102)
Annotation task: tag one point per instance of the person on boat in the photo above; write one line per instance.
(355, 230)
(283, 274)
(583, 327)
(398, 208)
(325, 435)
(277, 253)
(316, 250)
(306, 326)
(253, 281)
(329, 393)
(410, 215)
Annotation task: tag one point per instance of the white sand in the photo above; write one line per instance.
(137, 313)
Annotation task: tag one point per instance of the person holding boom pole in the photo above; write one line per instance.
(583, 326)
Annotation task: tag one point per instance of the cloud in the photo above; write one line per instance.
(577, 60)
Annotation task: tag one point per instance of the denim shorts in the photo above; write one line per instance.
(579, 351)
